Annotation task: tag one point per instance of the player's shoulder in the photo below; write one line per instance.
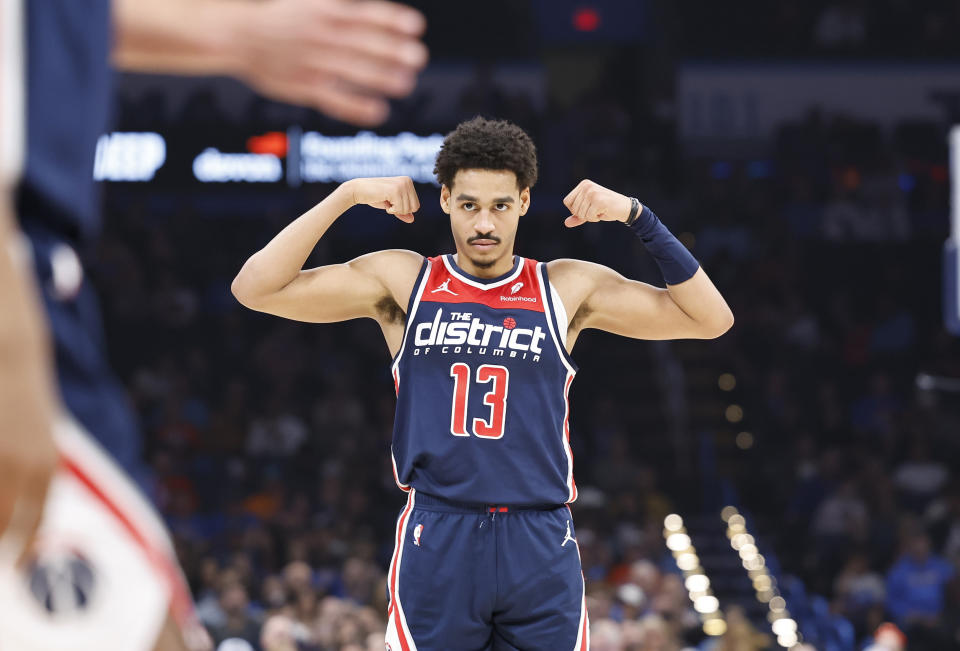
(391, 262)
(396, 271)
(576, 280)
(577, 272)
(400, 256)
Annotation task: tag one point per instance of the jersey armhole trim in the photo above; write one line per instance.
(551, 314)
(412, 306)
(560, 311)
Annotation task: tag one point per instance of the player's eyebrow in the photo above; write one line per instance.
(467, 197)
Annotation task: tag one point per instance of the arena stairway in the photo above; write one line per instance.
(717, 455)
(723, 566)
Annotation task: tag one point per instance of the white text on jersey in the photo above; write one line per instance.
(463, 328)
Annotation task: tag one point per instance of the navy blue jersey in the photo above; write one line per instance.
(68, 83)
(482, 382)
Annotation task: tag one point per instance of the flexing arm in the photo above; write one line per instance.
(27, 397)
(273, 279)
(598, 297)
(340, 56)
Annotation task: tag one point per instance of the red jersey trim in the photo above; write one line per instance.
(519, 291)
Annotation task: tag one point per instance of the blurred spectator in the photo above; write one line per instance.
(876, 411)
(606, 635)
(916, 585)
(842, 517)
(238, 619)
(279, 433)
(278, 634)
(861, 592)
(948, 515)
(920, 476)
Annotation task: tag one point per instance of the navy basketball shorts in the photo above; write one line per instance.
(479, 577)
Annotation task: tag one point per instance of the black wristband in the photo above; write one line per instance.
(634, 211)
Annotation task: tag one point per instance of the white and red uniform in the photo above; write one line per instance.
(103, 576)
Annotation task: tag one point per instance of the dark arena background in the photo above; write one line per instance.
(793, 484)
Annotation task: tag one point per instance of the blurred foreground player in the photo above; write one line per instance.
(100, 573)
(486, 554)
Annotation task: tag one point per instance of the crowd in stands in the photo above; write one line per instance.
(267, 441)
(878, 28)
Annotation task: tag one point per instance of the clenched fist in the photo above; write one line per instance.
(591, 202)
(394, 194)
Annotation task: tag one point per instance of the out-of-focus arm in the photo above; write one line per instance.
(27, 397)
(180, 36)
(342, 57)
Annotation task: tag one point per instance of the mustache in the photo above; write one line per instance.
(490, 237)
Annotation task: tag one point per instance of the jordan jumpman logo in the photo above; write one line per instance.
(444, 287)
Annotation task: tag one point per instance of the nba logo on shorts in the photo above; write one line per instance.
(416, 534)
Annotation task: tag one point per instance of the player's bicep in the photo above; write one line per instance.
(374, 285)
(634, 309)
(335, 292)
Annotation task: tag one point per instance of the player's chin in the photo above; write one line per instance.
(485, 256)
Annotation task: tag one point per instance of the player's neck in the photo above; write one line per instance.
(498, 268)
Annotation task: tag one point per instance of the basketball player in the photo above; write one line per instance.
(486, 554)
(101, 573)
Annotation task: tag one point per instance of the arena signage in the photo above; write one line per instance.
(129, 156)
(328, 159)
(214, 166)
(294, 156)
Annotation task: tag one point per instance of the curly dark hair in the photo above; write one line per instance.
(487, 145)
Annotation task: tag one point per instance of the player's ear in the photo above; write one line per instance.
(445, 198)
(524, 201)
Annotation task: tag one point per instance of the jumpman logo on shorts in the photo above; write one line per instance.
(445, 287)
(568, 537)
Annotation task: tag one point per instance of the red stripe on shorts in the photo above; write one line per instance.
(180, 603)
(395, 612)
